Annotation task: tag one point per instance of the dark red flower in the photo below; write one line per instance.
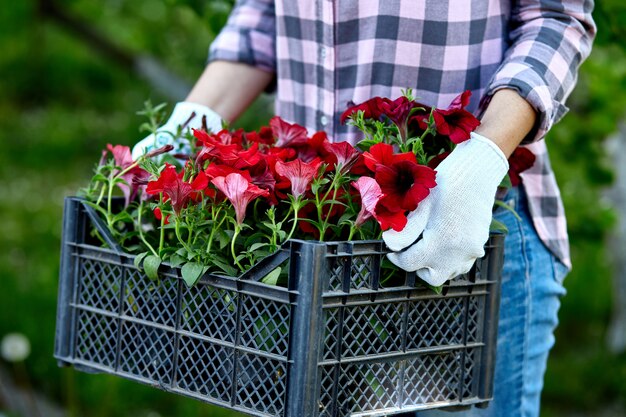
(287, 134)
(344, 154)
(178, 192)
(520, 160)
(227, 137)
(261, 175)
(382, 153)
(239, 192)
(436, 160)
(264, 136)
(390, 219)
(370, 195)
(299, 173)
(456, 122)
(398, 110)
(314, 147)
(214, 170)
(371, 109)
(418, 122)
(404, 183)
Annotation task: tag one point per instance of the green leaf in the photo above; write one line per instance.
(257, 246)
(272, 277)
(254, 240)
(138, 259)
(223, 238)
(151, 265)
(498, 227)
(176, 260)
(191, 272)
(366, 144)
(506, 182)
(436, 290)
(99, 177)
(226, 267)
(122, 216)
(505, 206)
(336, 202)
(96, 207)
(378, 327)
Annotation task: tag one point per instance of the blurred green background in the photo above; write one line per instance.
(62, 99)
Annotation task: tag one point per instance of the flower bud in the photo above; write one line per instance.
(159, 151)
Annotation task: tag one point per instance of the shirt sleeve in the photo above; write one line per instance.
(249, 36)
(548, 41)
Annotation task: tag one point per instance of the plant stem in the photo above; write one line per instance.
(353, 229)
(101, 196)
(178, 236)
(213, 229)
(109, 204)
(232, 246)
(140, 230)
(334, 186)
(162, 231)
(296, 208)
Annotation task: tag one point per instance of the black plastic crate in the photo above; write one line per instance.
(334, 343)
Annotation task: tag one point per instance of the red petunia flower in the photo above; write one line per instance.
(344, 154)
(159, 215)
(179, 192)
(220, 170)
(371, 109)
(437, 159)
(261, 175)
(456, 122)
(390, 219)
(299, 173)
(314, 147)
(370, 195)
(398, 110)
(264, 136)
(287, 134)
(520, 160)
(404, 183)
(382, 153)
(239, 192)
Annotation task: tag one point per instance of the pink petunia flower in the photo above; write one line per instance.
(287, 134)
(370, 195)
(300, 174)
(133, 177)
(239, 192)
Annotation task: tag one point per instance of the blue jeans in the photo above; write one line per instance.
(532, 281)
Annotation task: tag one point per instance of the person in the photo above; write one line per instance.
(519, 59)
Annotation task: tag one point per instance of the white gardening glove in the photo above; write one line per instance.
(454, 219)
(181, 114)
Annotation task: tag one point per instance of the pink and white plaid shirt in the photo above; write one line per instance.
(327, 54)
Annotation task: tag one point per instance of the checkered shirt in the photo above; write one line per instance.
(328, 54)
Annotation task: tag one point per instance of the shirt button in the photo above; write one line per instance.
(324, 120)
(323, 52)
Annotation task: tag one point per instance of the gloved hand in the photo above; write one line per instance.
(181, 114)
(454, 219)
